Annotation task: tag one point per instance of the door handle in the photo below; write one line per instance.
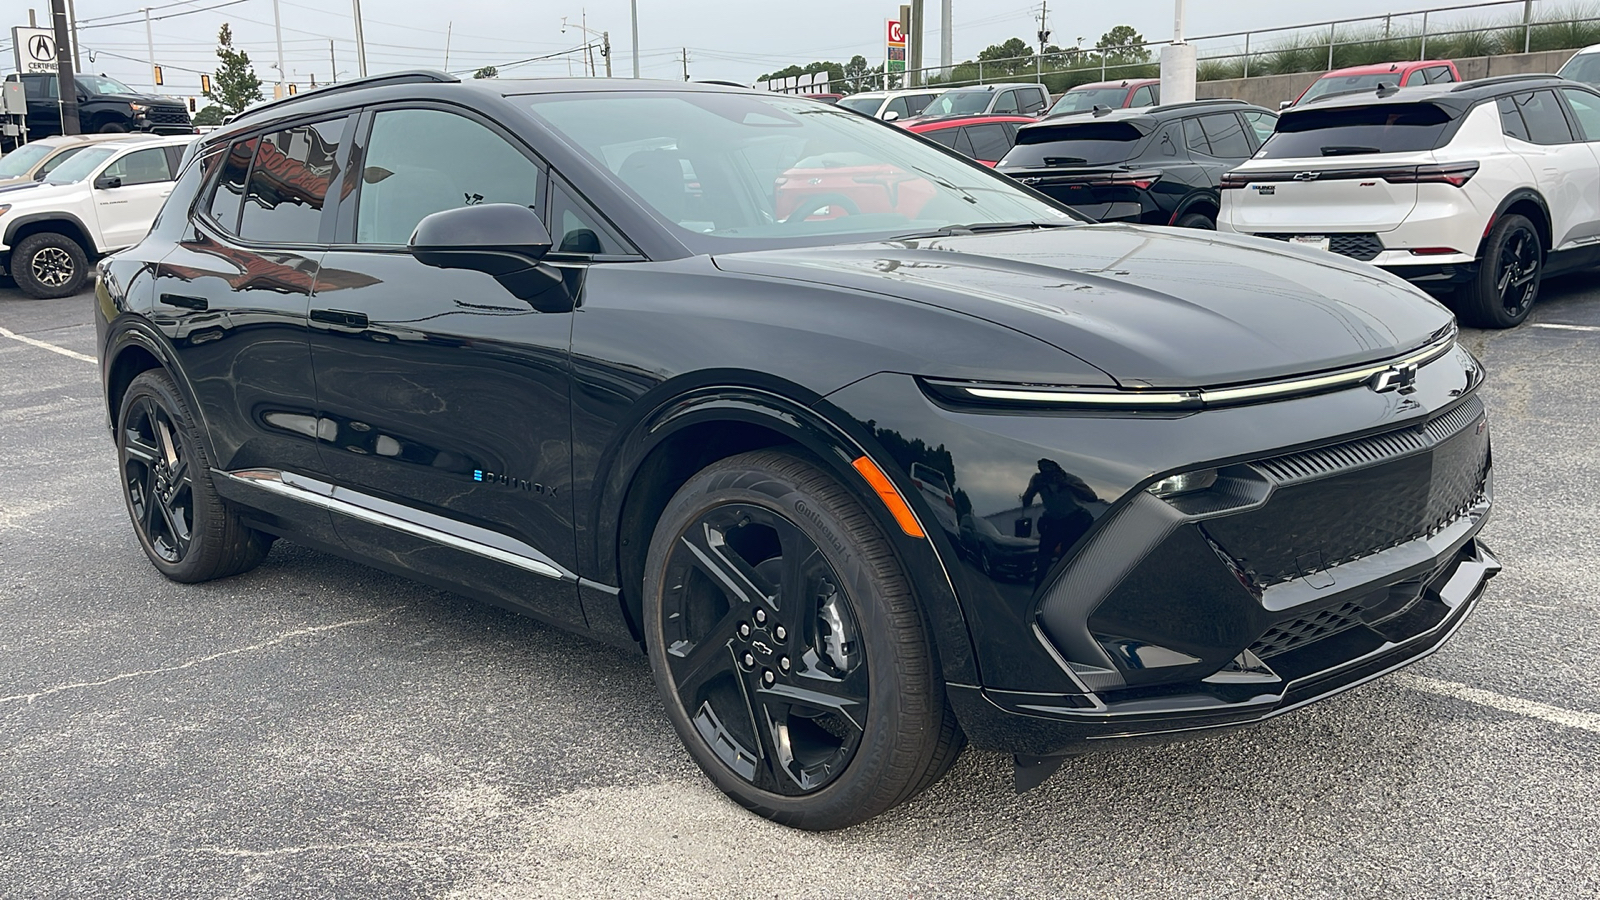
(339, 317)
(185, 302)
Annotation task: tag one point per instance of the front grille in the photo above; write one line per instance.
(1286, 636)
(167, 117)
(1364, 247)
(1336, 504)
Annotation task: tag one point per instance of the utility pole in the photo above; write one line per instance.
(947, 40)
(333, 62)
(66, 79)
(588, 48)
(634, 8)
(72, 19)
(686, 64)
(277, 28)
(361, 42)
(448, 28)
(914, 46)
(605, 50)
(150, 51)
(1044, 36)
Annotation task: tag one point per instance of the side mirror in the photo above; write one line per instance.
(890, 116)
(108, 181)
(1286, 104)
(502, 240)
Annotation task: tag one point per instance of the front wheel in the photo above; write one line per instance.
(788, 648)
(48, 265)
(113, 128)
(184, 527)
(1508, 278)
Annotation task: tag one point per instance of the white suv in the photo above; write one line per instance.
(99, 201)
(1474, 191)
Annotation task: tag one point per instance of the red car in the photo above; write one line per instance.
(1361, 78)
(986, 139)
(1123, 94)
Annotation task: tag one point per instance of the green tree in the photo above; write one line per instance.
(855, 73)
(487, 72)
(234, 85)
(1010, 58)
(211, 114)
(1123, 46)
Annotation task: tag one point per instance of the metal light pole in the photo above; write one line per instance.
(277, 28)
(633, 6)
(1177, 63)
(150, 50)
(448, 28)
(361, 42)
(947, 40)
(72, 21)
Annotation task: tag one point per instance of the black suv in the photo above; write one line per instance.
(733, 377)
(1156, 166)
(105, 106)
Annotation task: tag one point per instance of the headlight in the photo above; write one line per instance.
(138, 107)
(4, 208)
(1184, 483)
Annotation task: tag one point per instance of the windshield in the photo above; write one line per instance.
(81, 166)
(1081, 144)
(868, 105)
(1340, 83)
(22, 160)
(1584, 67)
(958, 103)
(100, 84)
(1083, 101)
(1356, 130)
(740, 172)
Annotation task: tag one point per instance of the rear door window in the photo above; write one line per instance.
(1355, 130)
(228, 192)
(1586, 107)
(1034, 101)
(1541, 112)
(945, 136)
(289, 182)
(1226, 135)
(988, 141)
(141, 167)
(1075, 144)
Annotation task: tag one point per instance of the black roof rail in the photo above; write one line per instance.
(1503, 79)
(1190, 104)
(410, 76)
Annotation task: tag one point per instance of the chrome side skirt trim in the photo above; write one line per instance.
(448, 532)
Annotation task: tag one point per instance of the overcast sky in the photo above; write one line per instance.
(725, 40)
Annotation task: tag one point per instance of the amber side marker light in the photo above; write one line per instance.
(890, 497)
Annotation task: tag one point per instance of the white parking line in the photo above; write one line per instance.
(1571, 718)
(4, 332)
(1561, 327)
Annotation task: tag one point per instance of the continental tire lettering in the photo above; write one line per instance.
(816, 519)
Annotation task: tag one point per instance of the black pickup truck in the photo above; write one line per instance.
(105, 105)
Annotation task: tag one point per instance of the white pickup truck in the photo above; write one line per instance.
(99, 201)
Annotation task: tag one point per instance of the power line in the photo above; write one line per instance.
(187, 12)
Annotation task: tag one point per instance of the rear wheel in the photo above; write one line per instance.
(166, 480)
(788, 648)
(1508, 278)
(1198, 220)
(48, 265)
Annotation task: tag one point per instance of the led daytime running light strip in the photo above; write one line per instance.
(1207, 396)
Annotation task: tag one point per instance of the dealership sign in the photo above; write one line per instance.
(35, 50)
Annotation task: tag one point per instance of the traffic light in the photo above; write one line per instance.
(205, 83)
(293, 90)
(159, 82)
(191, 106)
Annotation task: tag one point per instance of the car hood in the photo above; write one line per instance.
(147, 99)
(1152, 307)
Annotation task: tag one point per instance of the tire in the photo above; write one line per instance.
(184, 527)
(49, 265)
(1199, 221)
(836, 664)
(113, 128)
(1507, 283)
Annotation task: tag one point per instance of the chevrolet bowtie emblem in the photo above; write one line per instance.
(1396, 378)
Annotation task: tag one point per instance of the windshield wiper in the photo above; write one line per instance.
(1341, 150)
(980, 228)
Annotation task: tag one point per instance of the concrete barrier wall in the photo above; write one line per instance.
(1270, 90)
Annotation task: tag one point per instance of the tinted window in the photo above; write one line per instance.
(898, 107)
(1074, 144)
(141, 167)
(945, 136)
(1587, 108)
(1007, 103)
(1080, 100)
(919, 102)
(1379, 128)
(1542, 114)
(964, 144)
(576, 228)
(1143, 97)
(1033, 100)
(1440, 75)
(1511, 120)
(1341, 83)
(1195, 137)
(989, 142)
(1227, 136)
(289, 182)
(1261, 123)
(40, 87)
(225, 199)
(423, 161)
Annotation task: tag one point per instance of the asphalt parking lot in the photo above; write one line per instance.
(316, 728)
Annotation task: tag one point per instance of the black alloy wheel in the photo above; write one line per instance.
(788, 648)
(48, 264)
(185, 529)
(1508, 278)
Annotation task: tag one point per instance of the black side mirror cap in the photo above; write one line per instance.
(107, 181)
(503, 240)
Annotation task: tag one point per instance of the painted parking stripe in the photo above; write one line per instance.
(35, 342)
(1561, 327)
(1570, 718)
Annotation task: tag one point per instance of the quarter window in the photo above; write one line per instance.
(1195, 137)
(1226, 136)
(229, 190)
(289, 182)
(423, 161)
(141, 167)
(989, 142)
(1541, 112)
(577, 228)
